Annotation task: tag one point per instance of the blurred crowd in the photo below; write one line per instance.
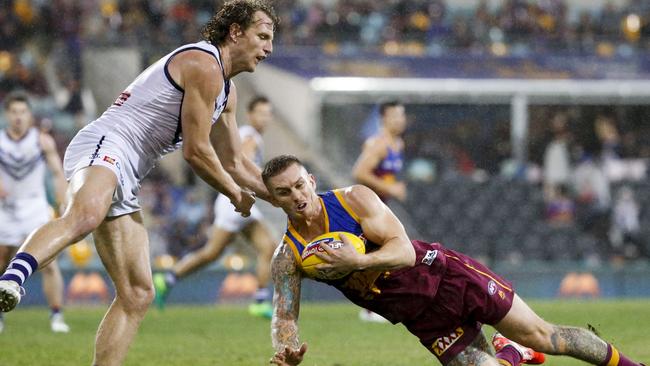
(589, 163)
(35, 31)
(500, 27)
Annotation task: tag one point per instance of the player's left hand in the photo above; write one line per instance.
(289, 357)
(344, 259)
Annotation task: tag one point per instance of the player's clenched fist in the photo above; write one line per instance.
(245, 202)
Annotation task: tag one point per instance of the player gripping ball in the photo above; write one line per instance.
(335, 241)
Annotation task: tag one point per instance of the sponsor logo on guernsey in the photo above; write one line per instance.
(492, 287)
(315, 247)
(430, 257)
(109, 160)
(94, 156)
(442, 344)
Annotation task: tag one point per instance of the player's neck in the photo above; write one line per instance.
(310, 226)
(388, 135)
(16, 135)
(226, 61)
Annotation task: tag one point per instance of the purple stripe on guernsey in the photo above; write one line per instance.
(20, 171)
(95, 155)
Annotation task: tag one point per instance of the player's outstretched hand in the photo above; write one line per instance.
(289, 357)
(243, 206)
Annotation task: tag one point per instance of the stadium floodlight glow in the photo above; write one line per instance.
(559, 90)
(633, 23)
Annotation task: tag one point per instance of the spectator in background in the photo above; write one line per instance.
(593, 196)
(608, 136)
(560, 208)
(557, 164)
(624, 233)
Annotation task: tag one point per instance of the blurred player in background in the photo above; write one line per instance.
(184, 100)
(441, 296)
(380, 163)
(228, 223)
(25, 155)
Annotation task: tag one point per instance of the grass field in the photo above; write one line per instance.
(226, 335)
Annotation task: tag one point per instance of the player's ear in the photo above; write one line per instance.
(312, 181)
(235, 32)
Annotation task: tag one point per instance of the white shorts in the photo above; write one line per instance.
(89, 148)
(19, 218)
(226, 218)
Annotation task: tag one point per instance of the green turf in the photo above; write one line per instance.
(227, 335)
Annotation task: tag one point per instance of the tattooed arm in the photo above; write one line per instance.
(286, 307)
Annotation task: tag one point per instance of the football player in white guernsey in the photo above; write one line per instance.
(184, 100)
(25, 156)
(227, 224)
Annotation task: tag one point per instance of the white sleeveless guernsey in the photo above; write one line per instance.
(141, 126)
(22, 173)
(248, 131)
(225, 216)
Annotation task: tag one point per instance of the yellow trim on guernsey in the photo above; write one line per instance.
(481, 272)
(348, 209)
(327, 218)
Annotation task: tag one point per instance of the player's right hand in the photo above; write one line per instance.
(245, 202)
(289, 357)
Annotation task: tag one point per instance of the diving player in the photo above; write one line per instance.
(441, 296)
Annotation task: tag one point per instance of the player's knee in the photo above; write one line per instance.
(82, 222)
(136, 298)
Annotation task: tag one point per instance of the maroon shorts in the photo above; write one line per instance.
(469, 296)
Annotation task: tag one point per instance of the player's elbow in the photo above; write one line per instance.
(408, 257)
(195, 154)
(233, 165)
(192, 157)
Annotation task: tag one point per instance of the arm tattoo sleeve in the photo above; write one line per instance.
(286, 300)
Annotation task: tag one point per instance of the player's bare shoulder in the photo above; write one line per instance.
(196, 67)
(361, 199)
(376, 143)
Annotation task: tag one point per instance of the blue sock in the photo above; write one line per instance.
(20, 268)
(170, 278)
(262, 294)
